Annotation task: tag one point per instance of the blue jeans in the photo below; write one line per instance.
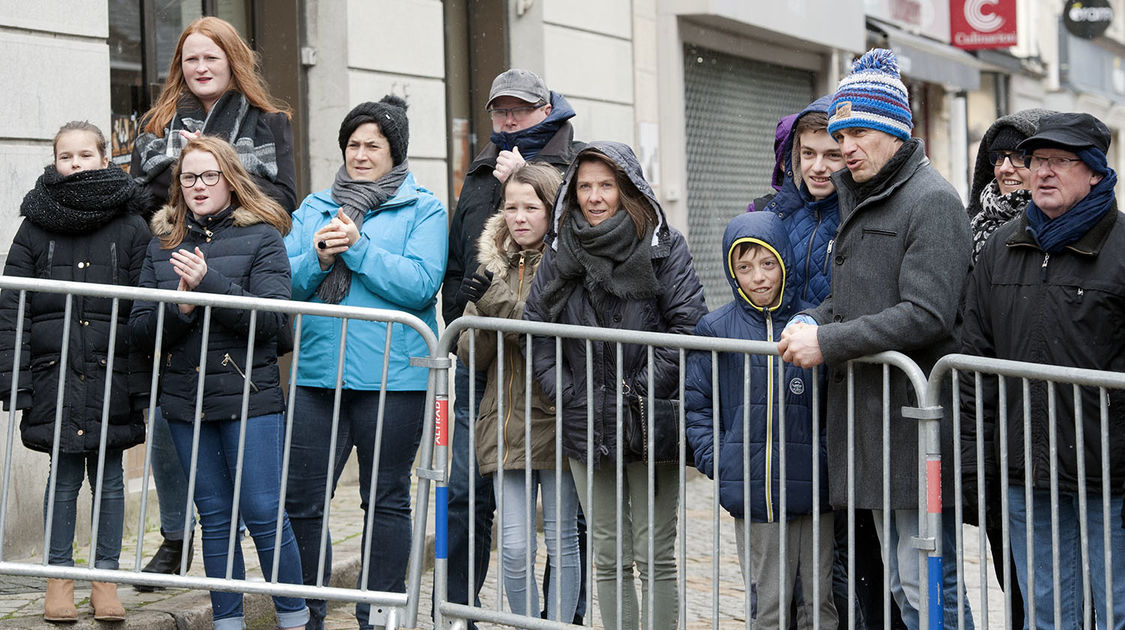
(70, 469)
(1071, 571)
(906, 581)
(171, 483)
(308, 477)
(258, 503)
(459, 483)
(518, 541)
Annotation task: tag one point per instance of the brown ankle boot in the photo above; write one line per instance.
(59, 603)
(103, 598)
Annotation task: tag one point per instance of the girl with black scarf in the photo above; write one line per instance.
(82, 224)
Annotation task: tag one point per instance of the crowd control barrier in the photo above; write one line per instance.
(387, 608)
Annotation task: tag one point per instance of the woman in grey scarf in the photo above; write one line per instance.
(374, 239)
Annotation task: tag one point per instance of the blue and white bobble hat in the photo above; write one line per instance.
(872, 96)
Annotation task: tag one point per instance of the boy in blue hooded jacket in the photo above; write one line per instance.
(758, 258)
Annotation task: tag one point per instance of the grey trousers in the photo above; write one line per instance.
(768, 568)
(601, 515)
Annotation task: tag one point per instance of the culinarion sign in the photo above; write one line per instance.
(975, 24)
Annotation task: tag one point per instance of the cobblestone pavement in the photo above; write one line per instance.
(21, 598)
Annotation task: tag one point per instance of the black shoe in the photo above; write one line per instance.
(166, 560)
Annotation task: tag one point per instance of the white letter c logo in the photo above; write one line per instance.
(976, 17)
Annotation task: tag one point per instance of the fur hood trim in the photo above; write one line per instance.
(164, 219)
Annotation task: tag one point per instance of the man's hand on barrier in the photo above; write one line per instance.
(800, 346)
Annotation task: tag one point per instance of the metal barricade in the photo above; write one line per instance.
(720, 583)
(389, 609)
(1005, 414)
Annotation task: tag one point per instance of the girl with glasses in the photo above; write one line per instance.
(224, 237)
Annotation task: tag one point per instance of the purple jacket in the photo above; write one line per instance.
(780, 147)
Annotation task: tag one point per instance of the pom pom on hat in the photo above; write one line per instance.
(872, 96)
(389, 113)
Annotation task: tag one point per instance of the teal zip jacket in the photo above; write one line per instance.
(397, 264)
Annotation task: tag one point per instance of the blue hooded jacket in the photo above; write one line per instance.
(810, 224)
(741, 319)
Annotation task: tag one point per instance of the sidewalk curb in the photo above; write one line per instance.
(191, 610)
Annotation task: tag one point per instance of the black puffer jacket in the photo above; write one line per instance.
(246, 257)
(480, 197)
(677, 310)
(109, 252)
(1064, 310)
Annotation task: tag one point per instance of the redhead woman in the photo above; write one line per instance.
(375, 239)
(82, 223)
(614, 262)
(213, 88)
(220, 234)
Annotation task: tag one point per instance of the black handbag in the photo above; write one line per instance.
(665, 419)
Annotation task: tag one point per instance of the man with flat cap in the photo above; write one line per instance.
(529, 124)
(1049, 287)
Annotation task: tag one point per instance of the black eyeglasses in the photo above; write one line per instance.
(996, 158)
(210, 178)
(1054, 162)
(519, 113)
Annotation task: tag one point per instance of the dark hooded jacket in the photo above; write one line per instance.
(741, 319)
(676, 310)
(56, 242)
(245, 256)
(480, 197)
(810, 224)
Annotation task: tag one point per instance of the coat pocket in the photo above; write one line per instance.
(879, 232)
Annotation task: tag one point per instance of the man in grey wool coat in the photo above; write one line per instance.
(900, 260)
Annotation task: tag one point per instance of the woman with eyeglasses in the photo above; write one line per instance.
(213, 88)
(221, 234)
(1001, 181)
(1001, 192)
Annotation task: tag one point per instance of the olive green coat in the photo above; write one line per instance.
(513, 272)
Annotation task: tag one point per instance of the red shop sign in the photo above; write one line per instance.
(982, 23)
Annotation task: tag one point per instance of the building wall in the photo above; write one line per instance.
(56, 69)
(365, 50)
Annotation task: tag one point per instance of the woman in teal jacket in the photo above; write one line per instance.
(374, 239)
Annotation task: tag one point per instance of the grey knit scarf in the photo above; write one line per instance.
(356, 197)
(605, 258)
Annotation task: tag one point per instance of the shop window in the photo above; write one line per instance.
(142, 39)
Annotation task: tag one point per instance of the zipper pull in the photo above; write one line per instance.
(828, 253)
(1043, 267)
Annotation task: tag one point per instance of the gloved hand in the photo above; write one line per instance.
(474, 287)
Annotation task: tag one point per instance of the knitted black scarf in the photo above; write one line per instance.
(887, 174)
(606, 258)
(83, 201)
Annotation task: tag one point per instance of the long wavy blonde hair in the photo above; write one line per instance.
(243, 63)
(246, 193)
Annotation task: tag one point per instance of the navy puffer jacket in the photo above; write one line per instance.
(810, 224)
(741, 319)
(246, 257)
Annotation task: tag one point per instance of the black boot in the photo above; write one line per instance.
(166, 560)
